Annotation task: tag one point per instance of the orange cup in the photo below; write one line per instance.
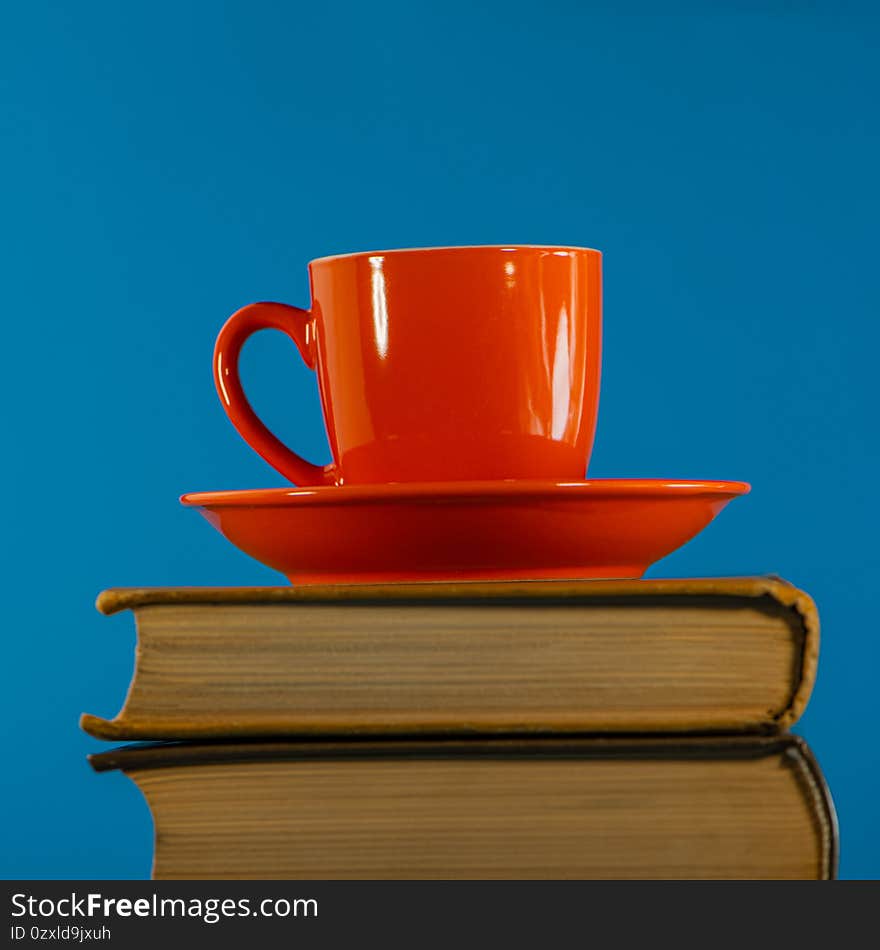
(438, 364)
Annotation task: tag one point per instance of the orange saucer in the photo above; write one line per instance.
(502, 530)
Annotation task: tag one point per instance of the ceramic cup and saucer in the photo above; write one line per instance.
(460, 389)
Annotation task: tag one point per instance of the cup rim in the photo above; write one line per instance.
(559, 248)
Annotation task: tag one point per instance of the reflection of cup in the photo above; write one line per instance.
(449, 363)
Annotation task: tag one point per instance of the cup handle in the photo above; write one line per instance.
(299, 326)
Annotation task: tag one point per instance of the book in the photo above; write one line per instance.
(550, 808)
(701, 655)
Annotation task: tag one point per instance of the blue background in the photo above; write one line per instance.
(165, 163)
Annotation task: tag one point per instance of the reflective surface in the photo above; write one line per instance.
(502, 808)
(439, 364)
(465, 531)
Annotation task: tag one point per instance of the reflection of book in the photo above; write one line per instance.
(734, 807)
(622, 656)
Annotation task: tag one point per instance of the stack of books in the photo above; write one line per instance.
(539, 729)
